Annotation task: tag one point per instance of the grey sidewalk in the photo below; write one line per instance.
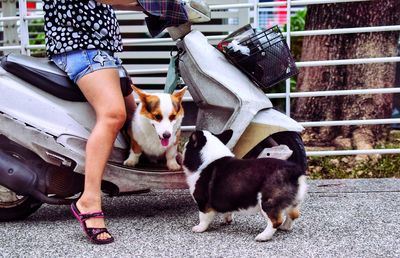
(340, 218)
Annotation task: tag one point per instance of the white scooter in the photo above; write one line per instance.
(45, 123)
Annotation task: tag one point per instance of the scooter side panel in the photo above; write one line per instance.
(46, 112)
(213, 63)
(37, 108)
(41, 143)
(264, 124)
(226, 98)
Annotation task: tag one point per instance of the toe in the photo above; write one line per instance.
(103, 236)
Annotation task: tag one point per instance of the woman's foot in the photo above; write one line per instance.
(84, 207)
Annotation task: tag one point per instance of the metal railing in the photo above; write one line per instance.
(287, 95)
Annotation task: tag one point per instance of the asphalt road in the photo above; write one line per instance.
(340, 218)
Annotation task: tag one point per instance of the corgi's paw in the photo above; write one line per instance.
(173, 165)
(262, 237)
(179, 158)
(287, 225)
(132, 160)
(199, 228)
(228, 218)
(266, 234)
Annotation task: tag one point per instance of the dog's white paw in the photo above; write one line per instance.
(179, 158)
(287, 225)
(263, 237)
(132, 160)
(199, 228)
(266, 234)
(286, 228)
(228, 218)
(173, 165)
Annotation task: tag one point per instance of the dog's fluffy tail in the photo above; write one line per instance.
(295, 170)
(297, 176)
(302, 190)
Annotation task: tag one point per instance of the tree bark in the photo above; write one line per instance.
(343, 77)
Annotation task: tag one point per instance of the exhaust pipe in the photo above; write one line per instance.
(24, 178)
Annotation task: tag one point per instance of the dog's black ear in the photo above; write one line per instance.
(197, 139)
(225, 136)
(192, 159)
(193, 139)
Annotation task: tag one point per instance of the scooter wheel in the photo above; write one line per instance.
(13, 206)
(291, 139)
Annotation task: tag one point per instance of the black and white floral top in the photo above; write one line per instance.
(72, 25)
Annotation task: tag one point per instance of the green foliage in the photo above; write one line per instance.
(36, 36)
(38, 39)
(297, 23)
(331, 167)
(345, 167)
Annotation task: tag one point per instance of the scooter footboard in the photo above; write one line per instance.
(264, 124)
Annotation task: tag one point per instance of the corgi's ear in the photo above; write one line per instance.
(179, 94)
(225, 136)
(142, 95)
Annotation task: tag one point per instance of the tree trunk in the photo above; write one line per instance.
(348, 46)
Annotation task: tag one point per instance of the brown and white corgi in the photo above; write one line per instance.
(155, 127)
(219, 182)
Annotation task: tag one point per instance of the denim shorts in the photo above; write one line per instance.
(78, 63)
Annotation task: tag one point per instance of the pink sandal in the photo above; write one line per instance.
(91, 233)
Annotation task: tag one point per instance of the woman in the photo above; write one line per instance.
(81, 38)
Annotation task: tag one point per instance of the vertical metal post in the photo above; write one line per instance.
(288, 13)
(10, 35)
(244, 14)
(256, 22)
(23, 27)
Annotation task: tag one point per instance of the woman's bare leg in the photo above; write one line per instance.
(102, 89)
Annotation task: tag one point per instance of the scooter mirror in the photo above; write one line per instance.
(198, 11)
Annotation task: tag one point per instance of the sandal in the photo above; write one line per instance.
(91, 233)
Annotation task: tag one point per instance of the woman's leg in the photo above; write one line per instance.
(102, 90)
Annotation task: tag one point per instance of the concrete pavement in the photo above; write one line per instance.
(340, 218)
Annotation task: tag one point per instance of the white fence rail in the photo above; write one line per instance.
(245, 11)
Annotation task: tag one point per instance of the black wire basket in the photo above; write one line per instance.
(263, 55)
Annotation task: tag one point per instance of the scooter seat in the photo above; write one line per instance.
(45, 75)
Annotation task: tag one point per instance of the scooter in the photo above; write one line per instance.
(45, 122)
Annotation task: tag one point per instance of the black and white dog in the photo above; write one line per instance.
(221, 183)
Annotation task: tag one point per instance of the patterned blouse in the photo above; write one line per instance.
(72, 25)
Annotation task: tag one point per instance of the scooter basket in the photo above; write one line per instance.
(262, 55)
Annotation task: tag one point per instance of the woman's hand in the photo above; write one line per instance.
(117, 2)
(123, 4)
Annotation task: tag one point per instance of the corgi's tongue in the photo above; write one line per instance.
(164, 142)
